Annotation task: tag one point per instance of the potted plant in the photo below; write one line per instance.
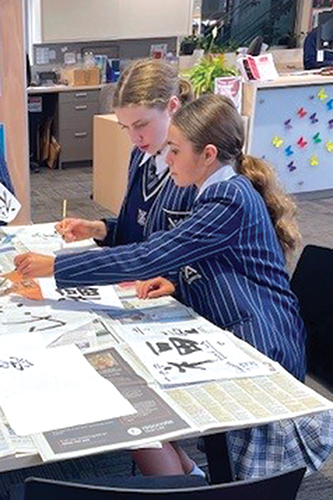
(203, 74)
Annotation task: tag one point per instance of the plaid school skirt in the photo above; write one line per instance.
(267, 449)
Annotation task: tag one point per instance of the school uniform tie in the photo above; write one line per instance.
(152, 179)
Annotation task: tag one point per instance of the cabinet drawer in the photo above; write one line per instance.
(75, 145)
(76, 114)
(79, 96)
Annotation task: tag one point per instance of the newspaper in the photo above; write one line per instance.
(154, 419)
(162, 413)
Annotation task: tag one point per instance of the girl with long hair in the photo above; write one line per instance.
(230, 255)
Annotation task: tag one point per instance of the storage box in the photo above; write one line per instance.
(81, 76)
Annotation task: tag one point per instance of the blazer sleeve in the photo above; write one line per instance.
(112, 223)
(108, 241)
(214, 224)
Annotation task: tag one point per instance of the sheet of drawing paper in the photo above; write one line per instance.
(44, 238)
(9, 205)
(22, 316)
(54, 389)
(33, 341)
(87, 297)
(181, 354)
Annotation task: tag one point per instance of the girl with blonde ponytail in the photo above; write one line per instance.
(230, 256)
(281, 208)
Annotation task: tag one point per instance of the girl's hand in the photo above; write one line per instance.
(80, 229)
(34, 265)
(153, 288)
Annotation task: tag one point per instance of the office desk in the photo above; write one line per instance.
(162, 413)
(72, 110)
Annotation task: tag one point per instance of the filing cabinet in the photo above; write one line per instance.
(75, 124)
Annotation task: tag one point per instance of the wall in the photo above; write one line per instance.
(13, 110)
(64, 20)
(122, 49)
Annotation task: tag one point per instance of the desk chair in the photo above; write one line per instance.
(312, 283)
(270, 488)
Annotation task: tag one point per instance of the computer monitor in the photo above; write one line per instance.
(325, 31)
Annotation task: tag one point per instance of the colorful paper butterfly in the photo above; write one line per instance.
(301, 112)
(277, 141)
(330, 123)
(302, 142)
(291, 166)
(289, 151)
(316, 138)
(311, 97)
(287, 124)
(329, 146)
(314, 118)
(314, 160)
(329, 104)
(322, 94)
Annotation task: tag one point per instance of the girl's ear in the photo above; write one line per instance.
(210, 153)
(173, 105)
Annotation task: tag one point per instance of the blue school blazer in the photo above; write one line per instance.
(171, 206)
(232, 269)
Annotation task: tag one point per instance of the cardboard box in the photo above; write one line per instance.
(77, 77)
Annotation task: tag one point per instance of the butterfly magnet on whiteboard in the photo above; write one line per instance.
(322, 94)
(288, 124)
(314, 160)
(302, 143)
(316, 138)
(302, 112)
(329, 146)
(329, 104)
(289, 151)
(277, 141)
(314, 118)
(291, 166)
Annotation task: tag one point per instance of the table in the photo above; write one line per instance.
(163, 413)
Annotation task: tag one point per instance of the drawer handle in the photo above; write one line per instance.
(81, 94)
(81, 134)
(80, 108)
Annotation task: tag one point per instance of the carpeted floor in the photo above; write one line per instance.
(48, 189)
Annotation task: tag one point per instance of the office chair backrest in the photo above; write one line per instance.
(272, 488)
(312, 283)
(255, 46)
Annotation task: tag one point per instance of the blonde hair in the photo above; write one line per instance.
(150, 83)
(213, 119)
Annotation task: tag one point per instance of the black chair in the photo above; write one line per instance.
(312, 282)
(275, 487)
(254, 48)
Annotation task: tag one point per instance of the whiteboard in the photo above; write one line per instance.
(293, 130)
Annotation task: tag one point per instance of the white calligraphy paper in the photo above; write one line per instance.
(53, 389)
(190, 352)
(89, 297)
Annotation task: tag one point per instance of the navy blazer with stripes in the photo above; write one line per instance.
(232, 269)
(171, 205)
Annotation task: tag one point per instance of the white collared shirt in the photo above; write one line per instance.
(222, 174)
(160, 161)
